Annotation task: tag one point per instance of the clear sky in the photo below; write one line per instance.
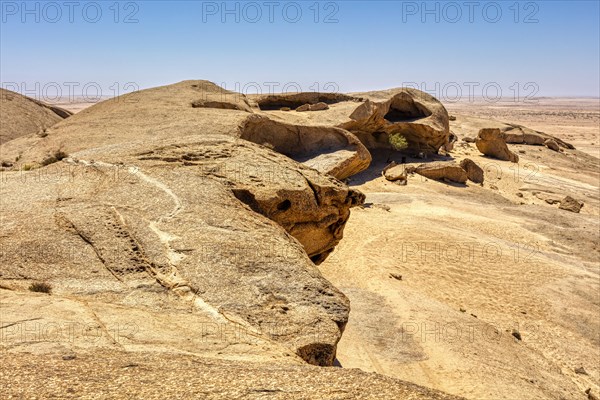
(542, 48)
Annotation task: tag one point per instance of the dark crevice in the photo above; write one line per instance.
(246, 197)
(401, 116)
(284, 205)
(404, 110)
(320, 354)
(314, 190)
(295, 100)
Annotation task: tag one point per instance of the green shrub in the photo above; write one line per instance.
(398, 141)
(41, 287)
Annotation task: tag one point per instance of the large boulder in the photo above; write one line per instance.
(441, 170)
(158, 206)
(468, 127)
(395, 173)
(330, 150)
(225, 224)
(416, 115)
(22, 115)
(490, 141)
(474, 171)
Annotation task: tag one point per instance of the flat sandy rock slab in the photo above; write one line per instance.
(223, 224)
(53, 325)
(159, 376)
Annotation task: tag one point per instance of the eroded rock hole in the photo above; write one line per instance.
(405, 110)
(284, 205)
(320, 354)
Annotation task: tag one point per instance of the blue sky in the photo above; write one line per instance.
(544, 48)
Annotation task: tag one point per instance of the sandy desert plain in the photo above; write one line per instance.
(179, 263)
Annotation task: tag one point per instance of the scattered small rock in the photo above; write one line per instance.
(519, 194)
(591, 396)
(304, 107)
(581, 371)
(462, 309)
(380, 206)
(493, 187)
(396, 276)
(516, 334)
(69, 357)
(285, 109)
(547, 197)
(570, 204)
(451, 118)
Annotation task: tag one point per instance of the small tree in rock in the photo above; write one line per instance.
(398, 141)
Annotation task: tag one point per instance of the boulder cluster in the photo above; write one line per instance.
(208, 195)
(203, 205)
